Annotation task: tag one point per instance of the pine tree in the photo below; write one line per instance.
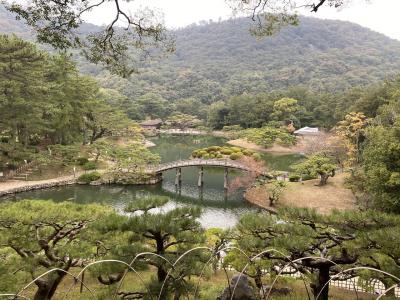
(323, 245)
(22, 86)
(38, 236)
(166, 233)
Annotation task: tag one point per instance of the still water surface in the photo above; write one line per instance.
(219, 209)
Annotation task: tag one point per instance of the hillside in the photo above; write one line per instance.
(220, 59)
(216, 60)
(9, 25)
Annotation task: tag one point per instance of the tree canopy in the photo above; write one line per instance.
(34, 242)
(45, 101)
(318, 164)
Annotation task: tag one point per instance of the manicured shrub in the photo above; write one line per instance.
(306, 177)
(89, 177)
(201, 153)
(82, 160)
(226, 151)
(294, 178)
(232, 128)
(256, 156)
(235, 156)
(215, 148)
(90, 165)
(197, 154)
(247, 152)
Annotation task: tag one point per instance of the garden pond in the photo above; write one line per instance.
(220, 209)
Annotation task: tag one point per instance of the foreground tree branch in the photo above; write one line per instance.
(59, 24)
(45, 236)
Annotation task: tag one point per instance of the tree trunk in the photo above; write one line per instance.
(258, 282)
(42, 293)
(96, 135)
(271, 201)
(177, 295)
(324, 179)
(388, 284)
(161, 272)
(161, 276)
(257, 279)
(47, 288)
(320, 287)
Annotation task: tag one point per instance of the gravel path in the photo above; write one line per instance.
(16, 186)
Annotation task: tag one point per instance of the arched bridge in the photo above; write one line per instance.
(198, 163)
(201, 163)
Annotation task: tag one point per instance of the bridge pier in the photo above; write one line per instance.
(200, 181)
(158, 178)
(178, 177)
(201, 194)
(225, 178)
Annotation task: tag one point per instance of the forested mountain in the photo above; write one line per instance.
(215, 61)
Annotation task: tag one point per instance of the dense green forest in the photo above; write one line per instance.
(47, 107)
(217, 61)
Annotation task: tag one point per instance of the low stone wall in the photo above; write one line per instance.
(38, 186)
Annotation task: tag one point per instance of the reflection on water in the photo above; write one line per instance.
(217, 212)
(219, 209)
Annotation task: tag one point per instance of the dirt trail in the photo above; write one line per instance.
(15, 186)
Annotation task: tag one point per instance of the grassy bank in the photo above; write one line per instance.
(324, 199)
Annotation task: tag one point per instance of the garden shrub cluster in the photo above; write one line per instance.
(233, 153)
(89, 177)
(304, 177)
(232, 128)
(90, 165)
(294, 178)
(82, 160)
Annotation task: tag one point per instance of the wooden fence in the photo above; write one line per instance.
(17, 171)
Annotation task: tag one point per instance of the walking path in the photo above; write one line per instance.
(16, 186)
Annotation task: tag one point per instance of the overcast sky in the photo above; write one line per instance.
(379, 15)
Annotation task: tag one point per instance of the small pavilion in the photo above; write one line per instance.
(307, 131)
